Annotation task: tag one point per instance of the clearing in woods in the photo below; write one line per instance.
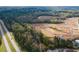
(68, 29)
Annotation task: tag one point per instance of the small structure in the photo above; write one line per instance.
(44, 17)
(76, 43)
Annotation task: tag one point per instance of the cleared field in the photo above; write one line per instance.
(68, 29)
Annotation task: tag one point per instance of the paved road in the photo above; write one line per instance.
(5, 41)
(10, 38)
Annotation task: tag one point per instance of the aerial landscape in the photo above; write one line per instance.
(39, 29)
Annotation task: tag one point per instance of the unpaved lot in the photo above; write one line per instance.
(68, 29)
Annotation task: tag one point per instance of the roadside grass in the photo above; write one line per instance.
(10, 44)
(14, 40)
(7, 38)
(2, 47)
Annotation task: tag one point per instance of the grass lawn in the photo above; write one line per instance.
(2, 47)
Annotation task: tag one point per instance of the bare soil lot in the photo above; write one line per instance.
(68, 29)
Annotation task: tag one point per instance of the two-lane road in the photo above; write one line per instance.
(10, 37)
(5, 41)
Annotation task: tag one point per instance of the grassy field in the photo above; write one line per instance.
(2, 47)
